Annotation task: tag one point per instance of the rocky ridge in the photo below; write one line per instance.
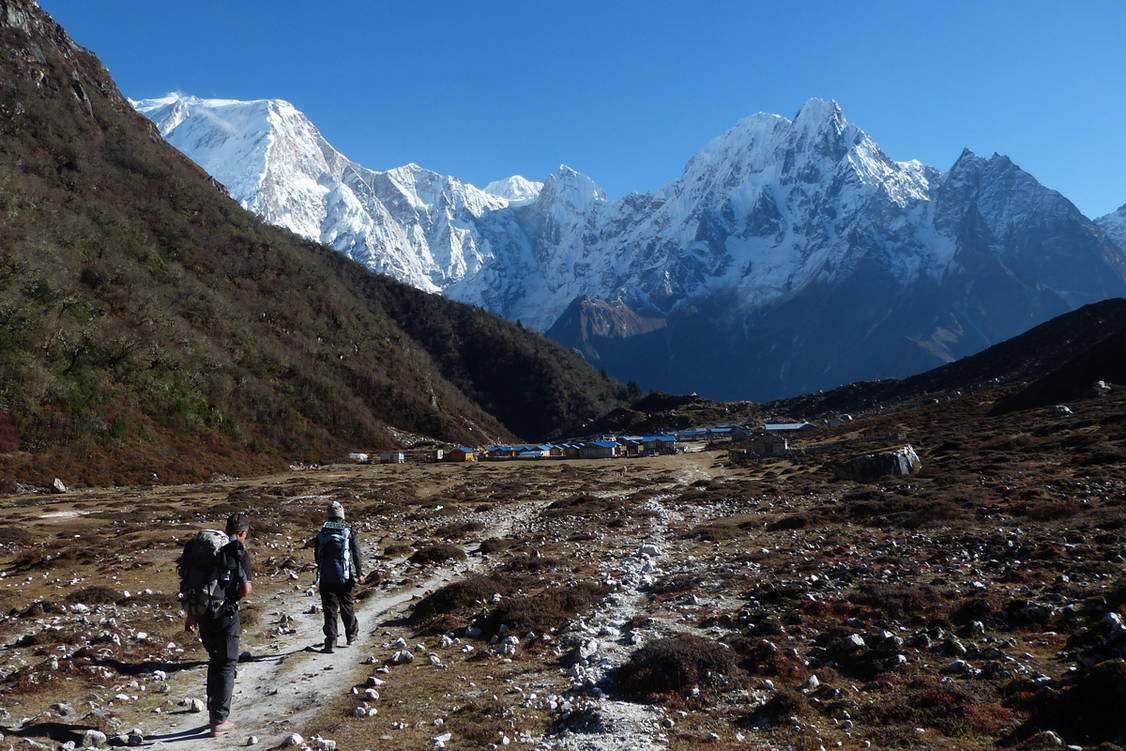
(794, 243)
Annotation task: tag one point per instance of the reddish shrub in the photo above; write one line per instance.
(670, 667)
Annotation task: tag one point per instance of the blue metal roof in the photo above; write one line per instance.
(605, 444)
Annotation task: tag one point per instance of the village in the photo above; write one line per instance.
(768, 439)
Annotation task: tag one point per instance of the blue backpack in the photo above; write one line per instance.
(334, 555)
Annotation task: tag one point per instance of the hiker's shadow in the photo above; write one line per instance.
(190, 734)
(278, 656)
(148, 666)
(56, 731)
(400, 622)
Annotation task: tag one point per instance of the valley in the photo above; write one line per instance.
(683, 602)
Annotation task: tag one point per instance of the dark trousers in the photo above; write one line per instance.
(220, 639)
(337, 598)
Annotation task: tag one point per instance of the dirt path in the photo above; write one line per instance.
(609, 724)
(282, 687)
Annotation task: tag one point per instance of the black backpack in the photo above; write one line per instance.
(209, 567)
(334, 555)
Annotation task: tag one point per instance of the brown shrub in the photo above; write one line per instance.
(10, 535)
(1088, 712)
(530, 564)
(95, 595)
(793, 521)
(669, 667)
(494, 545)
(762, 657)
(783, 705)
(458, 529)
(459, 598)
(974, 609)
(437, 554)
(579, 505)
(38, 609)
(544, 611)
(716, 532)
(900, 600)
(989, 719)
(926, 704)
(1050, 510)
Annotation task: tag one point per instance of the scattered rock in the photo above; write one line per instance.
(92, 738)
(402, 657)
(873, 467)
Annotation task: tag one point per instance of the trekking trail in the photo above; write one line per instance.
(285, 681)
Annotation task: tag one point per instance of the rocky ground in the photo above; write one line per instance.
(687, 602)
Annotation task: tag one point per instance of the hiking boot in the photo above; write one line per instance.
(329, 644)
(220, 729)
(350, 639)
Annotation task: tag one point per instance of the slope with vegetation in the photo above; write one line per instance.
(149, 325)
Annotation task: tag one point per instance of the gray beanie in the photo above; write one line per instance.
(335, 511)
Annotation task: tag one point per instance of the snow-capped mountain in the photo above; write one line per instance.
(790, 255)
(408, 222)
(515, 189)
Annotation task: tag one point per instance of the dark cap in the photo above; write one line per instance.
(236, 523)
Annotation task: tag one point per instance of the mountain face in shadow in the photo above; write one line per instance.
(151, 326)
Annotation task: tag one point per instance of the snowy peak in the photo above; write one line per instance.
(424, 189)
(267, 154)
(818, 146)
(570, 189)
(515, 189)
(818, 117)
(410, 222)
(804, 218)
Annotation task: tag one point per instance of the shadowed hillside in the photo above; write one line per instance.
(1029, 356)
(149, 325)
(1059, 360)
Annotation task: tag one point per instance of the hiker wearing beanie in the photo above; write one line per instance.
(215, 573)
(337, 554)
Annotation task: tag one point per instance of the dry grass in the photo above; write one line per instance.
(1011, 519)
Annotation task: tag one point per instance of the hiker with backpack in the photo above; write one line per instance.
(215, 573)
(337, 555)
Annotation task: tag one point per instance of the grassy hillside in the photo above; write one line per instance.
(150, 325)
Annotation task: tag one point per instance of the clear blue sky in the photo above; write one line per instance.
(626, 92)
